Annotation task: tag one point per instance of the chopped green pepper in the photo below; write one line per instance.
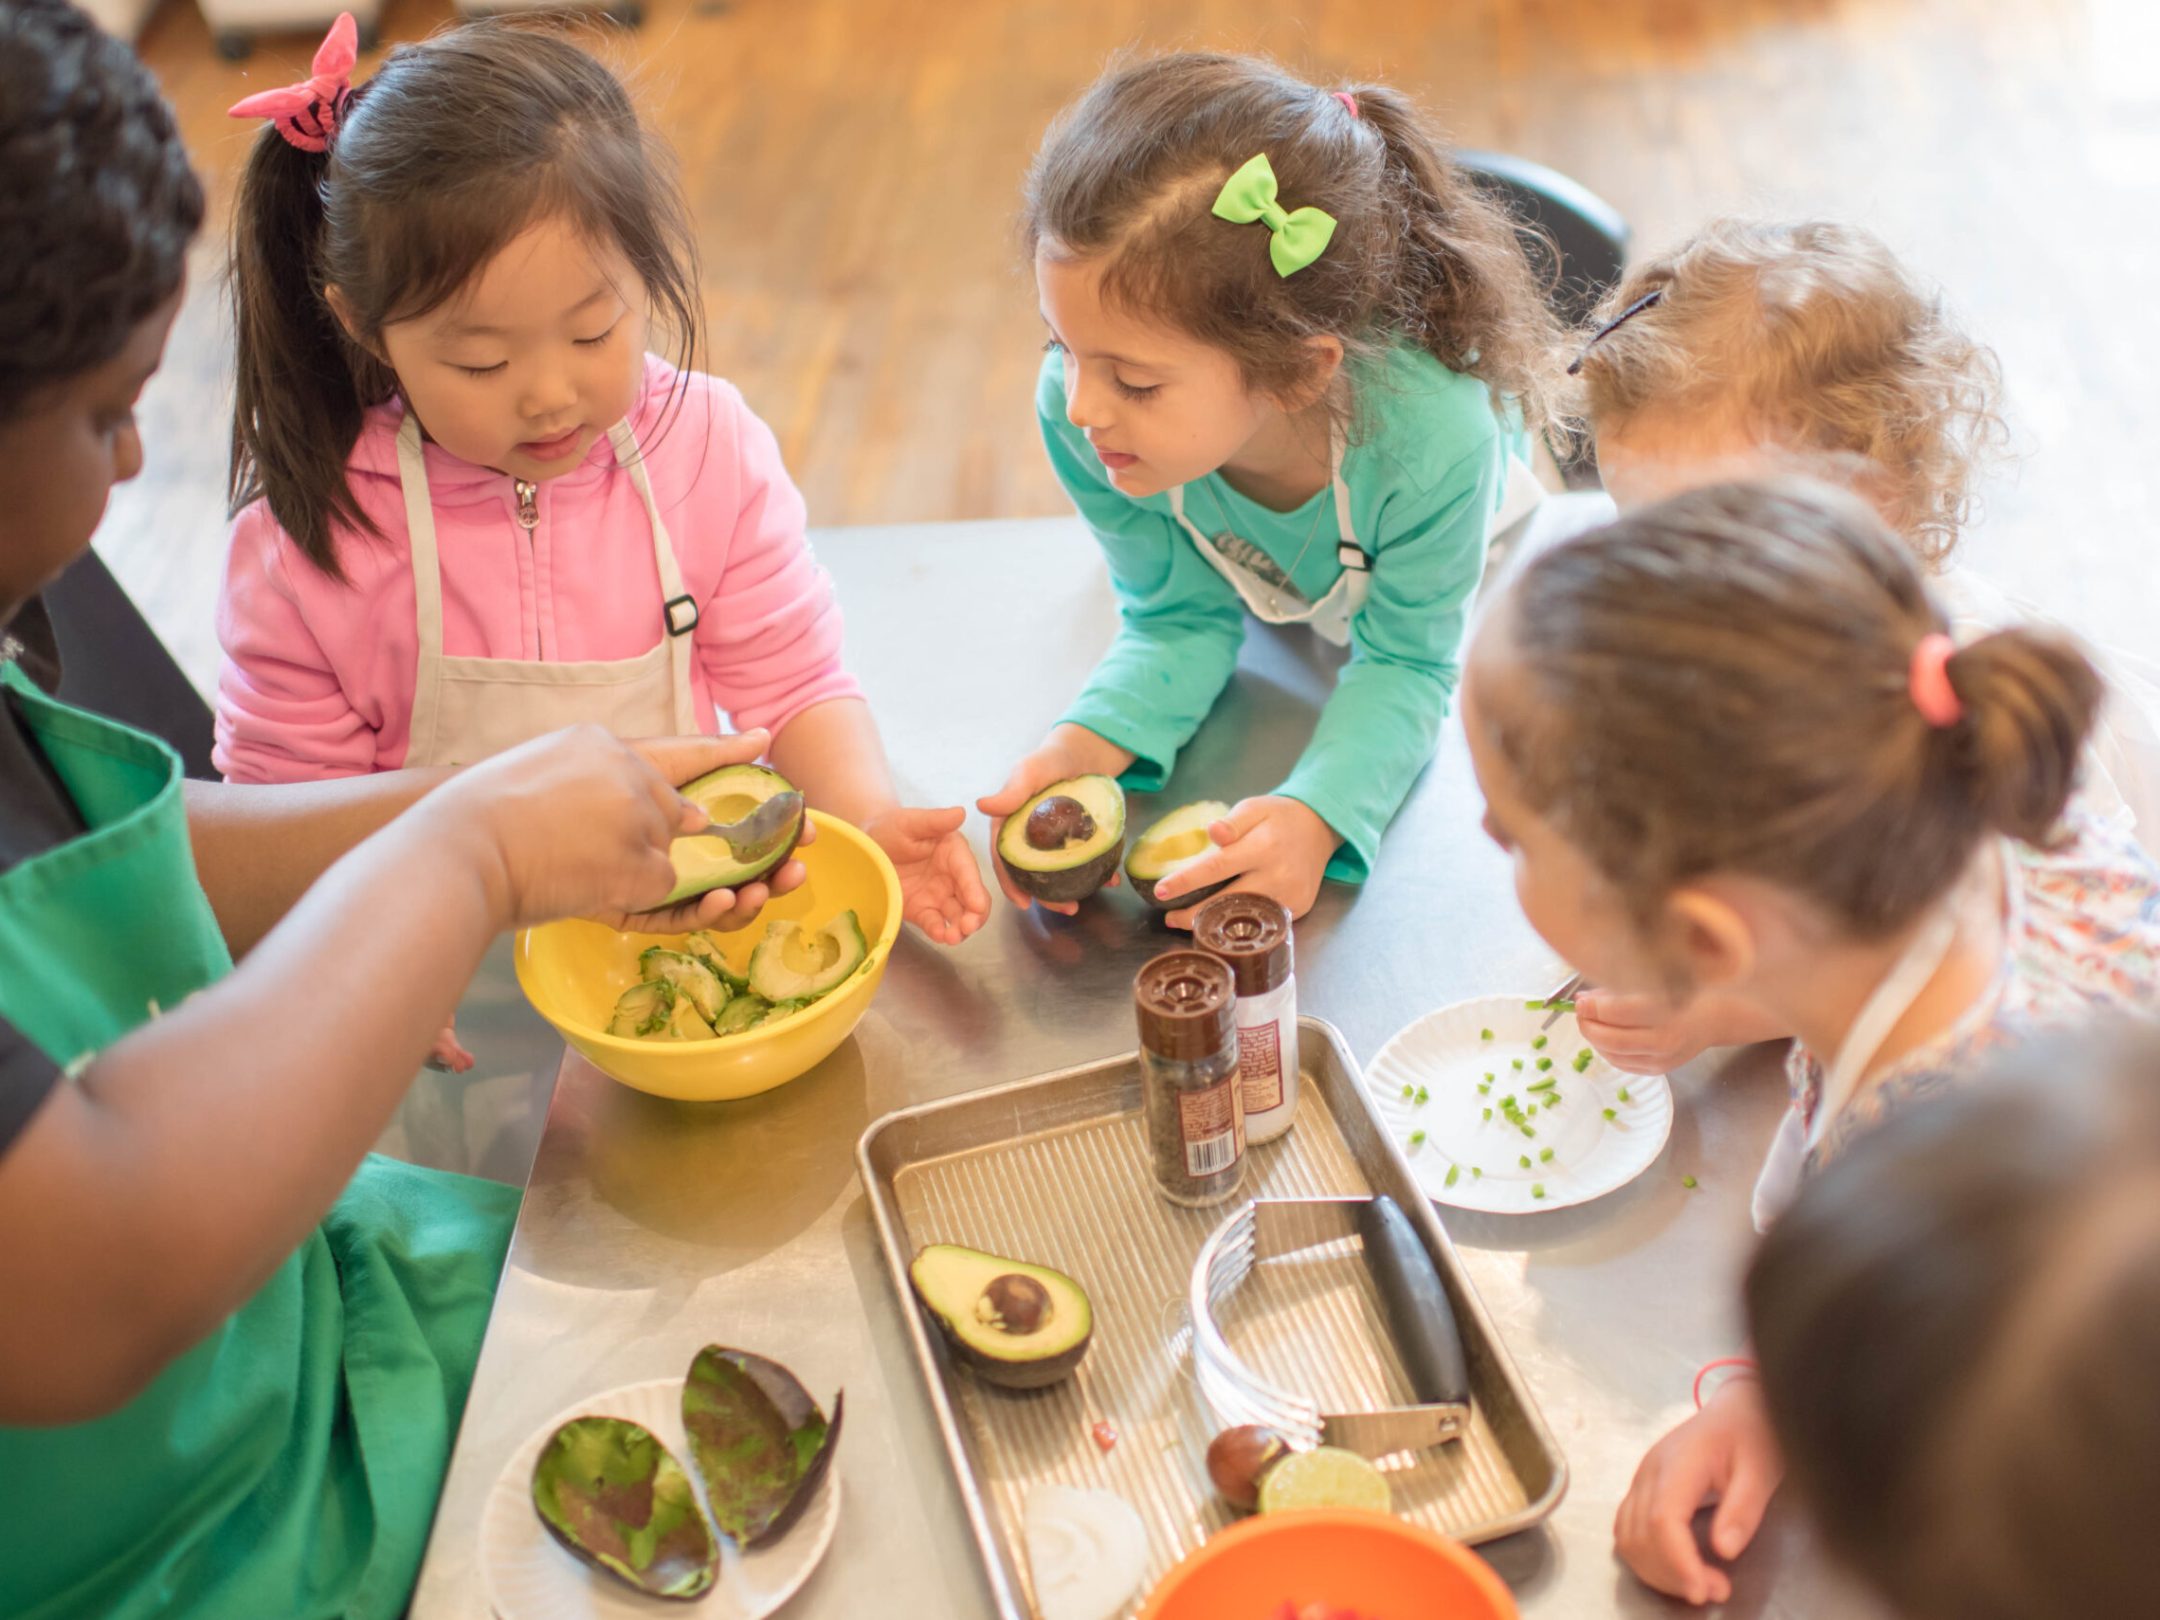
(1623, 1094)
(1544, 1064)
(1529, 1130)
(1423, 1096)
(1417, 1138)
(1408, 1092)
(1453, 1170)
(1516, 1063)
(1609, 1114)
(1688, 1182)
(1488, 1113)
(1524, 1161)
(1475, 1172)
(1582, 1061)
(1537, 1189)
(1545, 1084)
(1538, 1045)
(1484, 1034)
(1544, 1156)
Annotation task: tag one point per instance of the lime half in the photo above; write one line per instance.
(1324, 1478)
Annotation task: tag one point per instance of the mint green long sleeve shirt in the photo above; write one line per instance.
(1425, 477)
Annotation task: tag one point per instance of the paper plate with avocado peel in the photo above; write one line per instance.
(531, 1575)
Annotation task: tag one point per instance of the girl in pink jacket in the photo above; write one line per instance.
(471, 507)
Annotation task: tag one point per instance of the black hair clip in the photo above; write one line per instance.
(1653, 296)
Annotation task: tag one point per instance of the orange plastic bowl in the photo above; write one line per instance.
(1377, 1566)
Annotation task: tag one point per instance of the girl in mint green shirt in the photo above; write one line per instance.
(1293, 353)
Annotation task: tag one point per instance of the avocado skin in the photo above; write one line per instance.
(1036, 1371)
(1073, 883)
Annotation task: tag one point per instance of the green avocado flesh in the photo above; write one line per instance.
(1015, 1325)
(1064, 843)
(757, 819)
(1171, 842)
(610, 1492)
(792, 963)
(690, 993)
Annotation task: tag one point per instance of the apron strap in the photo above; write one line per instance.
(1893, 998)
(427, 588)
(678, 608)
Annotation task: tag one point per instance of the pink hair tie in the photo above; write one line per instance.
(1738, 1366)
(1347, 99)
(1929, 681)
(308, 113)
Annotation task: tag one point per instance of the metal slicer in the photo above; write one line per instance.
(1411, 1292)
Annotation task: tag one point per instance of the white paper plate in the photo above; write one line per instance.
(1446, 1054)
(530, 1576)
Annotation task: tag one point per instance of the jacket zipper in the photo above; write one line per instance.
(528, 516)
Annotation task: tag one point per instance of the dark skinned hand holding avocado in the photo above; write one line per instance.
(1271, 845)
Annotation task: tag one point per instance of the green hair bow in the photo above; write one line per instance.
(1298, 237)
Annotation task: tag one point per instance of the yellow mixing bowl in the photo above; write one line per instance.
(572, 972)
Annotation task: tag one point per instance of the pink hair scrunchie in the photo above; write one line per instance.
(1347, 99)
(307, 114)
(1929, 681)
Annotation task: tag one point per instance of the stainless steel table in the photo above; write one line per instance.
(651, 1228)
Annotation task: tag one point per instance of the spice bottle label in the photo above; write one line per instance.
(1263, 1024)
(1209, 1121)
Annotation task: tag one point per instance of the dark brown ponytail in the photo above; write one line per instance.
(300, 385)
(1721, 683)
(1463, 287)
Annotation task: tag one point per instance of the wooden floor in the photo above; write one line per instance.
(854, 167)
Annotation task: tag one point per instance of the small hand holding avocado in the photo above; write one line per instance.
(1171, 843)
(760, 1442)
(757, 820)
(611, 1493)
(1013, 1324)
(1064, 843)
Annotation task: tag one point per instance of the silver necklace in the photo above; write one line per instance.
(1275, 604)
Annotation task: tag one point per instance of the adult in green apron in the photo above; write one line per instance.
(289, 1463)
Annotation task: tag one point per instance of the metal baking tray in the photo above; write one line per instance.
(1054, 1170)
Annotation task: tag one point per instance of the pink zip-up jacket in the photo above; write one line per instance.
(318, 677)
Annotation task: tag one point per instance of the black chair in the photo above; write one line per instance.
(1576, 242)
(112, 663)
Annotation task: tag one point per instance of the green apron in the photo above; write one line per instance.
(288, 1465)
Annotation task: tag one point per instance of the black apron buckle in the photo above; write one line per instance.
(682, 615)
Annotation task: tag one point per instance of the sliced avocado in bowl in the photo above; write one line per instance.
(741, 1013)
(692, 979)
(757, 819)
(644, 1010)
(794, 963)
(1064, 843)
(1016, 1325)
(707, 949)
(1169, 844)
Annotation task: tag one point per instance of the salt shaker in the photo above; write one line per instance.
(1184, 1002)
(1251, 933)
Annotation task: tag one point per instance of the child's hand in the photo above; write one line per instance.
(1724, 1454)
(1069, 751)
(941, 889)
(1638, 1034)
(1649, 1035)
(448, 1055)
(1273, 846)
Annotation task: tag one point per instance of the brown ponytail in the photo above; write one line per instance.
(452, 149)
(1128, 174)
(1721, 683)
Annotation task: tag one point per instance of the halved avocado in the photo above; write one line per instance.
(1170, 843)
(1016, 1325)
(757, 819)
(1064, 843)
(691, 978)
(792, 963)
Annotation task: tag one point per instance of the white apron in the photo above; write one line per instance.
(465, 709)
(1779, 1182)
(1330, 617)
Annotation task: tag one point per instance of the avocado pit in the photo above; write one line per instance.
(1014, 1304)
